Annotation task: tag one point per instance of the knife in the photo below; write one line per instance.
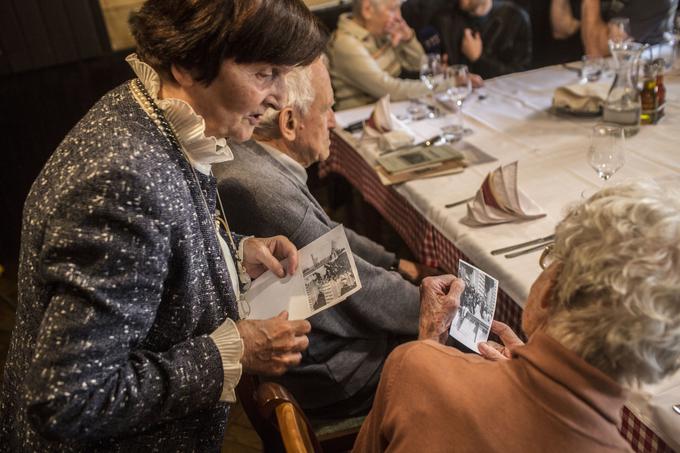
(522, 245)
(355, 126)
(529, 250)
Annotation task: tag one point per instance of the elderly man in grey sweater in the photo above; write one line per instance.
(265, 193)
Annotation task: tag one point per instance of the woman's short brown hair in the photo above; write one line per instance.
(199, 35)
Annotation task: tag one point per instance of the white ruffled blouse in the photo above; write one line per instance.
(202, 152)
(189, 126)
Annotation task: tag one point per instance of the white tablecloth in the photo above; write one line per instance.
(514, 123)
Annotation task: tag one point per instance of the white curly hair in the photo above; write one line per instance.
(616, 300)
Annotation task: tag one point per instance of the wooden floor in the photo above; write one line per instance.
(240, 436)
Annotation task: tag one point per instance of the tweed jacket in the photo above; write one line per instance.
(349, 342)
(121, 280)
(364, 69)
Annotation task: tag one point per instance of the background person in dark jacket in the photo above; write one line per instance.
(492, 38)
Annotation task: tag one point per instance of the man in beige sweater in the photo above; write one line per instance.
(604, 313)
(369, 51)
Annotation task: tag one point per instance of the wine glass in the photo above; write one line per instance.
(431, 73)
(605, 154)
(458, 88)
(591, 69)
(618, 30)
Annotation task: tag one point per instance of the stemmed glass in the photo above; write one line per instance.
(618, 29)
(605, 153)
(458, 88)
(431, 73)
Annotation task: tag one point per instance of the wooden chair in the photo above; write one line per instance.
(283, 426)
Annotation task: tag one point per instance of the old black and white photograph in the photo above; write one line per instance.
(329, 272)
(477, 305)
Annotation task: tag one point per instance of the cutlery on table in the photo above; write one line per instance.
(355, 126)
(529, 250)
(523, 244)
(458, 203)
(676, 408)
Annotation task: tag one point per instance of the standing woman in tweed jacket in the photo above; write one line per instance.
(128, 335)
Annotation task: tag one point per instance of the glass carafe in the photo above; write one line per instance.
(623, 105)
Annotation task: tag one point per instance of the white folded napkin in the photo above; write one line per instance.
(385, 130)
(499, 200)
(581, 97)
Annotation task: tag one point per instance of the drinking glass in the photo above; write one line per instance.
(458, 87)
(618, 29)
(591, 70)
(431, 70)
(431, 73)
(606, 154)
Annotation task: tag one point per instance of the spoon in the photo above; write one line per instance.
(676, 408)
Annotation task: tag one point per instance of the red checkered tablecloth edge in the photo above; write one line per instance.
(641, 438)
(432, 248)
(428, 245)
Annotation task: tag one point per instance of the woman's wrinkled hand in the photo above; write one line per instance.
(271, 346)
(260, 254)
(439, 301)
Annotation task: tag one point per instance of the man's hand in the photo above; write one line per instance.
(471, 46)
(562, 20)
(439, 301)
(415, 272)
(260, 254)
(476, 80)
(271, 346)
(399, 31)
(491, 350)
(594, 31)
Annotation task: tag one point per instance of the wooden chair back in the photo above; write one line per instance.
(283, 426)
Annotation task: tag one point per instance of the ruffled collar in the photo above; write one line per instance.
(189, 126)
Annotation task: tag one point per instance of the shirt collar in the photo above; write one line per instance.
(288, 162)
(588, 383)
(201, 150)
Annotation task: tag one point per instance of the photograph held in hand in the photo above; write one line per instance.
(472, 322)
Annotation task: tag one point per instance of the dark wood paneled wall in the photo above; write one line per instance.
(55, 62)
(40, 33)
(37, 109)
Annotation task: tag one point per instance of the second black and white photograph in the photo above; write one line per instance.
(472, 322)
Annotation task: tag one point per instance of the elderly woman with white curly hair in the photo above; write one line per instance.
(604, 314)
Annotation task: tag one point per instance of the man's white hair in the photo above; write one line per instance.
(358, 4)
(616, 300)
(300, 95)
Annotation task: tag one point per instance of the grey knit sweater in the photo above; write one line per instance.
(121, 281)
